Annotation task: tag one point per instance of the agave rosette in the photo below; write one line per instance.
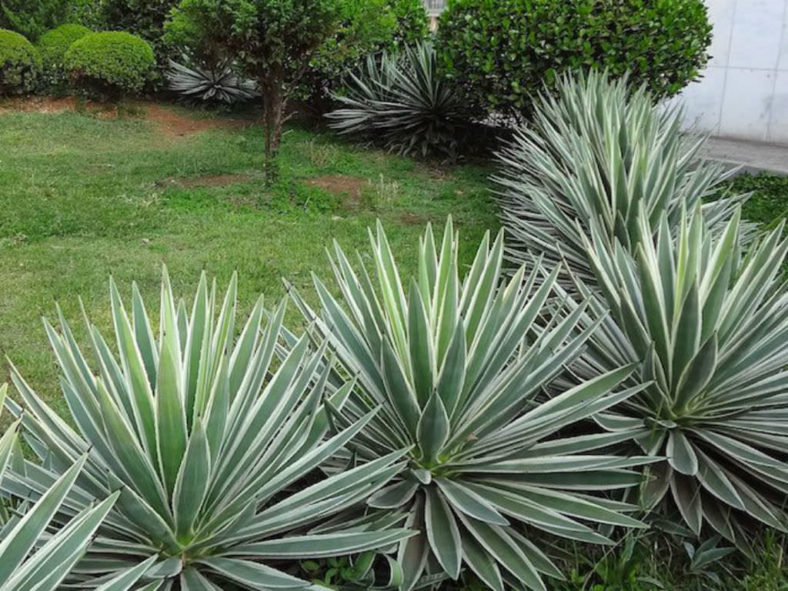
(217, 82)
(709, 325)
(457, 372)
(402, 100)
(201, 440)
(598, 151)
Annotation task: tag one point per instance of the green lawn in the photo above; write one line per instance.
(82, 198)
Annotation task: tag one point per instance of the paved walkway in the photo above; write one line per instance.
(752, 156)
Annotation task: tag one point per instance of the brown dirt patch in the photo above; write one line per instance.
(412, 219)
(169, 121)
(215, 180)
(176, 124)
(38, 104)
(349, 187)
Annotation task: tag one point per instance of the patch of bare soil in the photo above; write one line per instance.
(169, 121)
(176, 124)
(215, 180)
(413, 219)
(351, 188)
(38, 104)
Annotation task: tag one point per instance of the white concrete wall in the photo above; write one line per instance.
(744, 91)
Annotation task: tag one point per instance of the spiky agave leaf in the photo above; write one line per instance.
(199, 435)
(218, 82)
(709, 327)
(457, 372)
(31, 556)
(402, 101)
(599, 151)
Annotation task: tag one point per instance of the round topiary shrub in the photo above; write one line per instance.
(503, 51)
(110, 64)
(20, 64)
(53, 46)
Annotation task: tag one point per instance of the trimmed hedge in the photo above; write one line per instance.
(54, 44)
(110, 64)
(20, 64)
(503, 51)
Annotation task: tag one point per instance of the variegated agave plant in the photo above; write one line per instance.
(599, 151)
(458, 372)
(401, 101)
(29, 558)
(218, 82)
(710, 326)
(201, 440)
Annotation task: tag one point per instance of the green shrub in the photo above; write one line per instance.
(143, 18)
(110, 64)
(53, 46)
(20, 64)
(505, 50)
(456, 369)
(412, 22)
(207, 442)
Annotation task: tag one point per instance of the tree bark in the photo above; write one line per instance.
(272, 88)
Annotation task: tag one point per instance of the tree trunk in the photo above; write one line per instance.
(273, 116)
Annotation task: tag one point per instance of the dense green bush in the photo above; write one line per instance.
(505, 50)
(110, 64)
(53, 46)
(412, 22)
(20, 64)
(140, 17)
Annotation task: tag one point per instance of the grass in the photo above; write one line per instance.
(82, 198)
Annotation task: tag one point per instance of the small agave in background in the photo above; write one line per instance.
(401, 101)
(708, 323)
(217, 82)
(202, 442)
(457, 368)
(29, 557)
